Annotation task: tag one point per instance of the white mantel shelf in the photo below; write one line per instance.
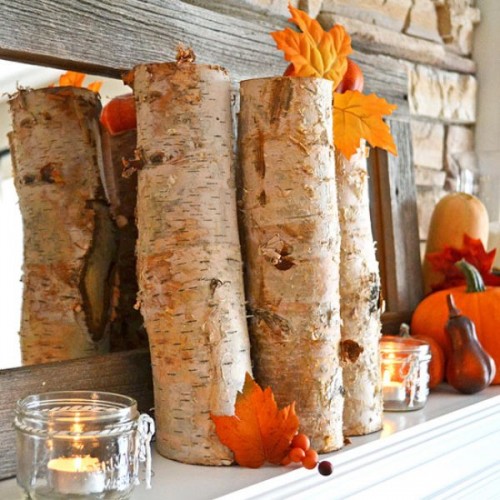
(449, 449)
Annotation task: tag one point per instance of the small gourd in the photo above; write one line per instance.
(470, 368)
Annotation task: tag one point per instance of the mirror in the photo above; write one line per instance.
(11, 226)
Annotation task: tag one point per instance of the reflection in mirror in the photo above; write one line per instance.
(105, 294)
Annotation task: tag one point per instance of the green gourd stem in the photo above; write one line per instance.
(473, 278)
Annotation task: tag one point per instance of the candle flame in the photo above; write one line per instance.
(386, 377)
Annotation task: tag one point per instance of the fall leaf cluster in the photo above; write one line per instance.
(474, 253)
(317, 53)
(75, 79)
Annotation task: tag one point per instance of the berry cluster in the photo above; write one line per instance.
(300, 451)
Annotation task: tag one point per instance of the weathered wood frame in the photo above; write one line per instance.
(107, 37)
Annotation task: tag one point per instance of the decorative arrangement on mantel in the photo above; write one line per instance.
(312, 281)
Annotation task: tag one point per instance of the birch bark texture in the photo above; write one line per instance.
(292, 238)
(189, 256)
(69, 242)
(359, 298)
(127, 325)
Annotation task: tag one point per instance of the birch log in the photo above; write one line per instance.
(189, 258)
(68, 235)
(359, 299)
(292, 248)
(127, 325)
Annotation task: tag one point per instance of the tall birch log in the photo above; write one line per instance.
(359, 299)
(292, 248)
(189, 258)
(127, 325)
(69, 241)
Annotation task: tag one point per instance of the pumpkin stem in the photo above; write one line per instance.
(473, 278)
(452, 308)
(404, 330)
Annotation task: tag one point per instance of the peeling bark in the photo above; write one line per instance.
(359, 299)
(290, 219)
(189, 259)
(69, 242)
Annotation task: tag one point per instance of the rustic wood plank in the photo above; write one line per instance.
(107, 37)
(369, 38)
(395, 222)
(127, 373)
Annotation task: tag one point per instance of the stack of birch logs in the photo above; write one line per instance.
(312, 285)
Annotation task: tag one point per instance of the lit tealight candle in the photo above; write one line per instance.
(404, 362)
(76, 475)
(393, 391)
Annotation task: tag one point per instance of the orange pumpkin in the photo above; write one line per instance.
(480, 304)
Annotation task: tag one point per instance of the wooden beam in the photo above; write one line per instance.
(379, 40)
(107, 37)
(395, 225)
(127, 373)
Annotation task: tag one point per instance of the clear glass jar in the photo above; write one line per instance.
(80, 444)
(405, 372)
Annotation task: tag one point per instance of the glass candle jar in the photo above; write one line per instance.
(405, 372)
(80, 444)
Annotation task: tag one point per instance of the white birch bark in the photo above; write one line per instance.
(189, 260)
(292, 248)
(68, 235)
(359, 299)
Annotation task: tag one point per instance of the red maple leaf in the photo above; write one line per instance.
(474, 253)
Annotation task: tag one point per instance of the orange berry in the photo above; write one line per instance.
(297, 454)
(301, 441)
(310, 460)
(286, 460)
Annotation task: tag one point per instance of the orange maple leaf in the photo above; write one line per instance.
(314, 52)
(258, 432)
(75, 79)
(95, 86)
(358, 116)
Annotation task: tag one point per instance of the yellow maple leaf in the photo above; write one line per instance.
(357, 116)
(314, 52)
